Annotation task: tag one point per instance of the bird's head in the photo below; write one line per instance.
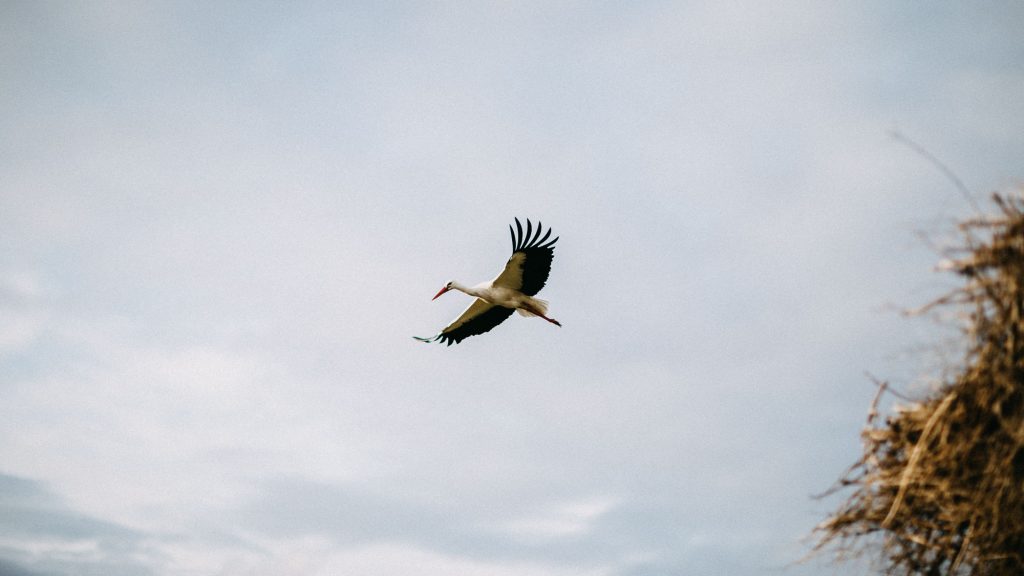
(446, 288)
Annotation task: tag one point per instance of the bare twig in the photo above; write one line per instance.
(924, 153)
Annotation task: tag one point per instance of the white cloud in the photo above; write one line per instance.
(24, 285)
(315, 556)
(19, 329)
(23, 309)
(564, 520)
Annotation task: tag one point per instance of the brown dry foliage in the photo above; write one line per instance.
(940, 485)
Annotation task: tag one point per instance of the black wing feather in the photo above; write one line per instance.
(536, 266)
(482, 323)
(544, 238)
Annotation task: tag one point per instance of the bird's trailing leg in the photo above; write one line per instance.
(536, 311)
(553, 321)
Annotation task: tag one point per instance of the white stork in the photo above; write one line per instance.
(524, 275)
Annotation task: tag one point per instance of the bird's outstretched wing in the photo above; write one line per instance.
(528, 268)
(480, 317)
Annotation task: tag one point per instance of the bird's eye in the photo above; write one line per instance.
(449, 285)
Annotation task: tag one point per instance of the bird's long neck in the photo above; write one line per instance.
(465, 289)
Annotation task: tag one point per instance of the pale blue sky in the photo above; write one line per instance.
(220, 224)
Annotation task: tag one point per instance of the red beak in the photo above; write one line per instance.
(443, 290)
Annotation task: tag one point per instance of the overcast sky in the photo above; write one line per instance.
(220, 224)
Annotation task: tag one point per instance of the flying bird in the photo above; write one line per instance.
(524, 275)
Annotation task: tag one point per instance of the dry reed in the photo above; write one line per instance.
(939, 488)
